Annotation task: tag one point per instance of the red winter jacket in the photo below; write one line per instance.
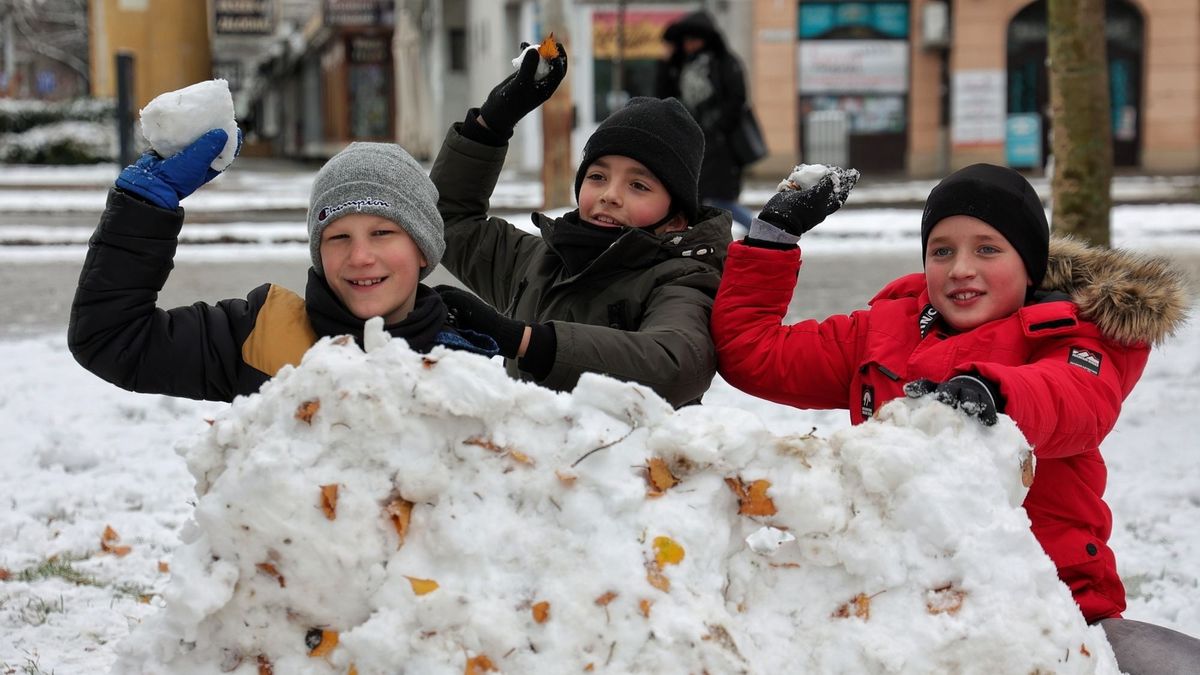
(1063, 376)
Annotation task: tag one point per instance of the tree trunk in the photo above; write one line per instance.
(558, 168)
(1079, 112)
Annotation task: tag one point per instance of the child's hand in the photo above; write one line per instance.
(518, 94)
(469, 312)
(975, 395)
(798, 211)
(164, 182)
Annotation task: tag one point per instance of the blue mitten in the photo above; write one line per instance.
(164, 182)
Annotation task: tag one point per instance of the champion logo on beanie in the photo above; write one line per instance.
(659, 133)
(1000, 197)
(378, 179)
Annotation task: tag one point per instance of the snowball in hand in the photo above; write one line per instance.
(545, 53)
(172, 121)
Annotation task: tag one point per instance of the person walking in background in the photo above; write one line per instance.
(708, 79)
(622, 286)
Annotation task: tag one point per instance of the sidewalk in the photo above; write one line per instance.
(282, 187)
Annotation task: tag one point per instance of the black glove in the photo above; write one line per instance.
(470, 312)
(798, 211)
(518, 94)
(973, 394)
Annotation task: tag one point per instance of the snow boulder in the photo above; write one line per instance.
(387, 511)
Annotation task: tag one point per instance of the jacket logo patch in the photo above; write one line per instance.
(925, 321)
(868, 400)
(1086, 359)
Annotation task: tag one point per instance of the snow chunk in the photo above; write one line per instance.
(174, 120)
(425, 506)
(543, 66)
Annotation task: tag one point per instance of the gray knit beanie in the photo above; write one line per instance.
(379, 179)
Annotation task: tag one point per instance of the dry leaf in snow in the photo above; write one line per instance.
(667, 551)
(264, 666)
(108, 543)
(656, 578)
(541, 611)
(270, 570)
(5, 575)
(163, 567)
(306, 410)
(859, 606)
(422, 586)
(659, 476)
(566, 478)
(945, 600)
(329, 494)
(399, 510)
(520, 457)
(479, 664)
(644, 606)
(752, 500)
(328, 640)
(603, 600)
(486, 444)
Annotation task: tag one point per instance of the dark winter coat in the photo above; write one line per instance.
(1063, 364)
(717, 111)
(639, 312)
(210, 352)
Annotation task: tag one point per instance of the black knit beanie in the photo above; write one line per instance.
(660, 134)
(1001, 198)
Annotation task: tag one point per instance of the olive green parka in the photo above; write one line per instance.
(638, 312)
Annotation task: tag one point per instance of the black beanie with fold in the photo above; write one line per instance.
(1000, 197)
(659, 133)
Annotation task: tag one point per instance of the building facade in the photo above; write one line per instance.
(920, 87)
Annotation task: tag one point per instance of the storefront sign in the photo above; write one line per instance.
(886, 19)
(853, 66)
(358, 12)
(1023, 141)
(643, 33)
(243, 17)
(977, 107)
(369, 49)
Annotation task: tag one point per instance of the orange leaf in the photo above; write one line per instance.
(1084, 650)
(520, 457)
(644, 605)
(353, 670)
(548, 49)
(108, 545)
(329, 640)
(859, 606)
(270, 570)
(659, 476)
(656, 578)
(400, 511)
(603, 600)
(264, 666)
(541, 612)
(144, 599)
(306, 410)
(567, 479)
(945, 600)
(5, 575)
(485, 443)
(428, 363)
(667, 551)
(753, 501)
(109, 534)
(163, 567)
(422, 586)
(589, 667)
(479, 664)
(329, 494)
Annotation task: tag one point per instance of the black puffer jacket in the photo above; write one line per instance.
(209, 352)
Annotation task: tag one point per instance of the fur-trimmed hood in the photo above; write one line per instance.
(1131, 297)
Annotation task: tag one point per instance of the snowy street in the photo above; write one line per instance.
(83, 455)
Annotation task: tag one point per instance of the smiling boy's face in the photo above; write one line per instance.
(620, 191)
(974, 275)
(372, 265)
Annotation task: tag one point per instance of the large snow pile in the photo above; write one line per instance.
(386, 512)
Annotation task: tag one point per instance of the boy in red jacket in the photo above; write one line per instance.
(1004, 320)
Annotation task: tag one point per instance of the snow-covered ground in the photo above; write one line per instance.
(83, 456)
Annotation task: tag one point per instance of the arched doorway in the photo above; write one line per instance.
(1029, 86)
